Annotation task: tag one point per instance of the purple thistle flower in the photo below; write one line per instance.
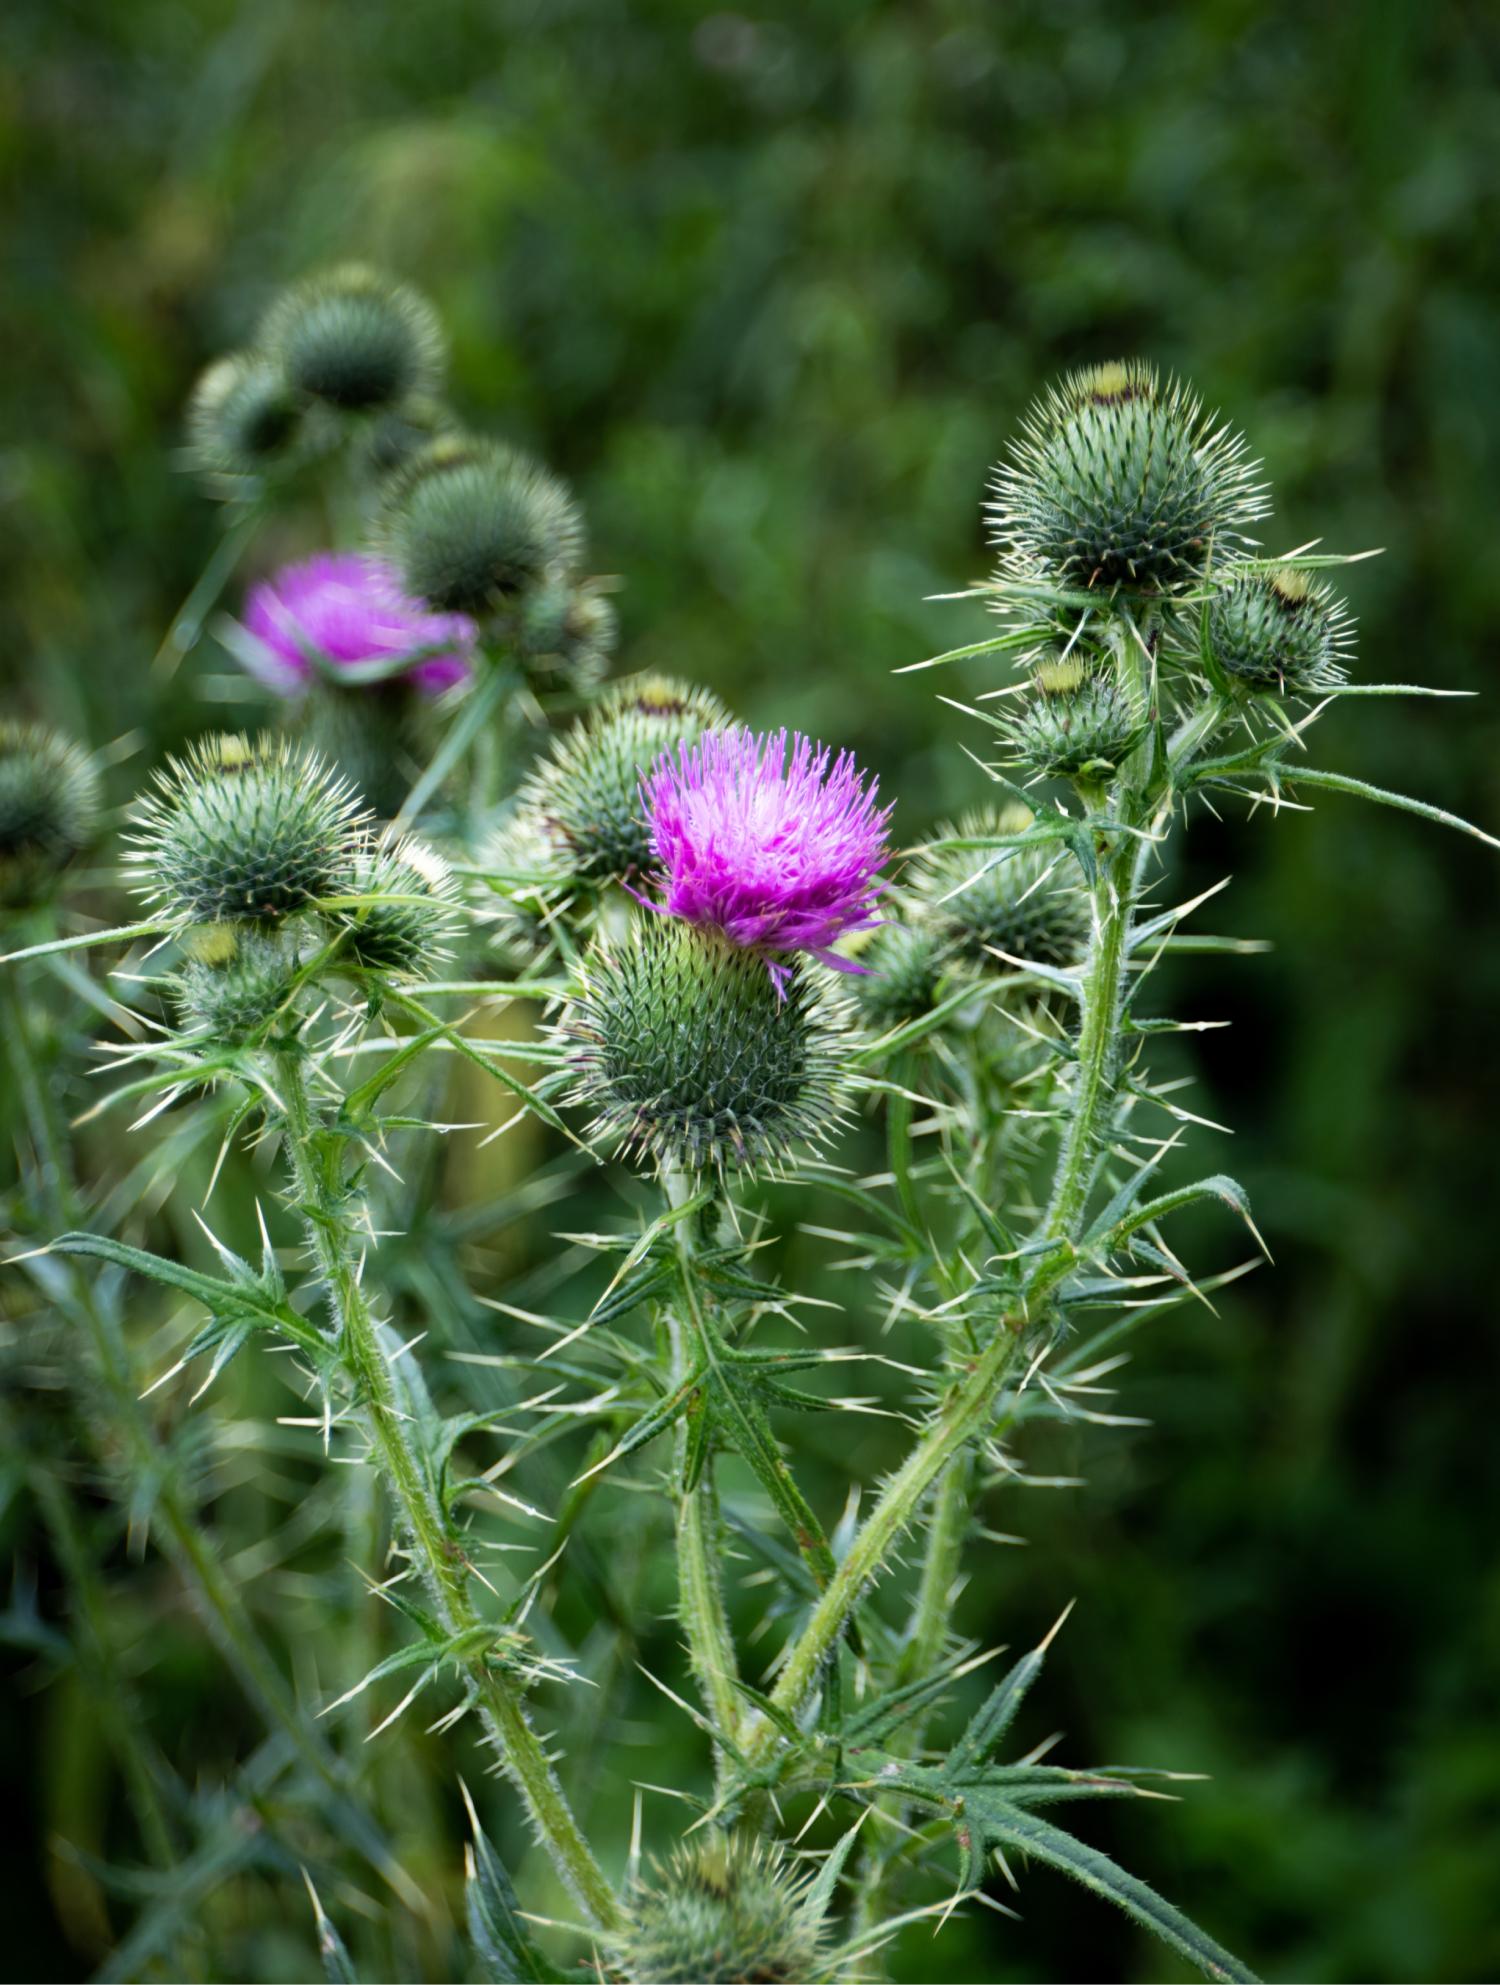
(349, 609)
(779, 853)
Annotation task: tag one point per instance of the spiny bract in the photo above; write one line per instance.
(1024, 902)
(691, 1056)
(234, 980)
(49, 808)
(1120, 478)
(409, 923)
(586, 792)
(1279, 631)
(471, 525)
(724, 1911)
(243, 828)
(355, 339)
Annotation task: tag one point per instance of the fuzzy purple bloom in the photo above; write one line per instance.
(778, 851)
(350, 609)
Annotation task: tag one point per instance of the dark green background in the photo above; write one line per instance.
(772, 288)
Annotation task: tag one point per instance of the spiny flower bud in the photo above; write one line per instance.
(409, 922)
(1082, 731)
(532, 891)
(903, 964)
(567, 629)
(235, 979)
(1120, 478)
(1020, 901)
(470, 526)
(353, 338)
(246, 829)
(587, 791)
(49, 807)
(243, 418)
(692, 1057)
(724, 1911)
(1279, 631)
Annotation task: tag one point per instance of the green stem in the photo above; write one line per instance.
(316, 1164)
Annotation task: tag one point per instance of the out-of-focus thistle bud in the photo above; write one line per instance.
(1020, 901)
(355, 339)
(568, 631)
(409, 922)
(692, 1056)
(532, 889)
(1120, 478)
(471, 526)
(587, 791)
(1279, 631)
(244, 829)
(903, 965)
(235, 979)
(49, 808)
(243, 419)
(1080, 729)
(724, 1911)
(394, 437)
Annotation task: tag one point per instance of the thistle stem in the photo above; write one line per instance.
(315, 1156)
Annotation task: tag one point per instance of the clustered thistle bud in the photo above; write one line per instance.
(1279, 631)
(902, 969)
(243, 417)
(567, 629)
(355, 340)
(409, 923)
(1120, 478)
(243, 829)
(690, 1056)
(234, 980)
(724, 1911)
(586, 793)
(1078, 727)
(49, 808)
(1023, 902)
(470, 526)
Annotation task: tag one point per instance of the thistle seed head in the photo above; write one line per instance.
(1081, 729)
(1280, 631)
(586, 793)
(411, 921)
(1121, 479)
(243, 418)
(243, 829)
(726, 1910)
(471, 526)
(234, 980)
(355, 339)
(691, 1057)
(49, 808)
(1021, 901)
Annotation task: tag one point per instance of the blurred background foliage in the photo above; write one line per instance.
(772, 288)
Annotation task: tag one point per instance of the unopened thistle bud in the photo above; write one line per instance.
(1279, 631)
(235, 980)
(49, 808)
(586, 792)
(243, 420)
(903, 966)
(1120, 478)
(1023, 902)
(408, 920)
(471, 526)
(1079, 729)
(691, 1057)
(531, 888)
(724, 1911)
(567, 630)
(354, 339)
(243, 829)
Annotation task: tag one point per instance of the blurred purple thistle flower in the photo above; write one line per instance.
(350, 610)
(779, 853)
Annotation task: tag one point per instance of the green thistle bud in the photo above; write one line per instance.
(1279, 631)
(691, 1055)
(234, 981)
(1120, 478)
(532, 892)
(49, 808)
(243, 829)
(1020, 901)
(353, 338)
(568, 630)
(1080, 731)
(725, 1911)
(411, 923)
(470, 526)
(243, 418)
(587, 791)
(904, 964)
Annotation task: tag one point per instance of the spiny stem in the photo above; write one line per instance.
(315, 1157)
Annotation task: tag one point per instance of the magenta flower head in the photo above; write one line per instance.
(350, 609)
(774, 842)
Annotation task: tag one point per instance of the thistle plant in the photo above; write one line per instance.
(713, 960)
